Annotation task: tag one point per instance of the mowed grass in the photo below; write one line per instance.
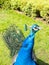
(41, 47)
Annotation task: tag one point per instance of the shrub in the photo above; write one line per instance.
(16, 5)
(47, 20)
(6, 5)
(23, 4)
(28, 9)
(36, 13)
(45, 11)
(1, 3)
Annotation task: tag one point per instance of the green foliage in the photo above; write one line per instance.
(6, 5)
(28, 10)
(23, 4)
(1, 3)
(16, 5)
(45, 14)
(36, 13)
(31, 8)
(47, 19)
(14, 38)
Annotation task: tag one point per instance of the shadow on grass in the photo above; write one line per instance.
(37, 60)
(40, 62)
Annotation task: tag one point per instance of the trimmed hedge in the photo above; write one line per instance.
(30, 8)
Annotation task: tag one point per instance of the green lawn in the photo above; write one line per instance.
(41, 41)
